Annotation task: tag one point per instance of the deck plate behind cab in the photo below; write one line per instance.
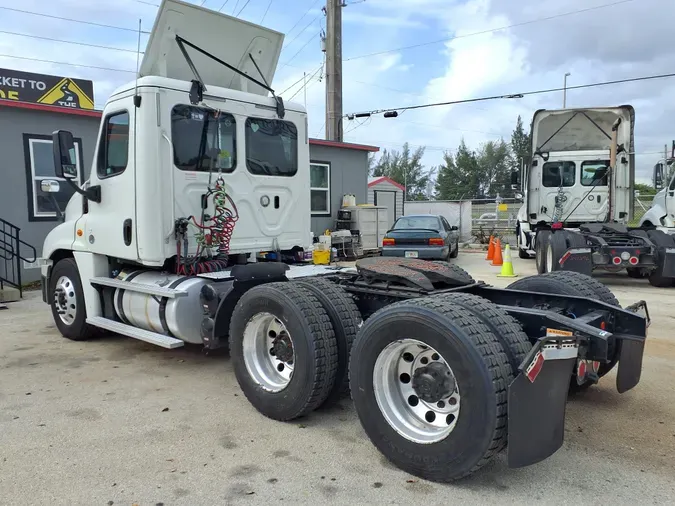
(408, 271)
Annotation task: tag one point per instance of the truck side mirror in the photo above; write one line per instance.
(515, 177)
(65, 159)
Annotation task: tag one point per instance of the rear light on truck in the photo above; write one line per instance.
(387, 241)
(616, 261)
(557, 226)
(436, 241)
(633, 260)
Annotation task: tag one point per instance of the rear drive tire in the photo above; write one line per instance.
(662, 241)
(67, 301)
(577, 285)
(540, 248)
(452, 351)
(283, 349)
(556, 248)
(346, 320)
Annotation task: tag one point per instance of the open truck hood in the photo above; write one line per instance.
(582, 129)
(225, 37)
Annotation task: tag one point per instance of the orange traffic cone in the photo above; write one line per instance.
(491, 249)
(507, 268)
(497, 260)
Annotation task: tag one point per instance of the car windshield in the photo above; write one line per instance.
(409, 222)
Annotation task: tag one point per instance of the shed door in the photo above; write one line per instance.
(387, 199)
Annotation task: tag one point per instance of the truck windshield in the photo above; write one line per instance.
(203, 139)
(557, 174)
(594, 173)
(271, 147)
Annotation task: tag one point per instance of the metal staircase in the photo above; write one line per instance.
(12, 250)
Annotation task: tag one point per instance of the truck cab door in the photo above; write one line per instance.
(670, 199)
(110, 226)
(593, 179)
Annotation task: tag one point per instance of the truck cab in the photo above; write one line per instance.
(661, 213)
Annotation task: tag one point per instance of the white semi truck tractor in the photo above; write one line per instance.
(661, 213)
(579, 198)
(199, 166)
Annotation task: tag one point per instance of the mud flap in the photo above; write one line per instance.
(669, 263)
(536, 406)
(630, 363)
(577, 260)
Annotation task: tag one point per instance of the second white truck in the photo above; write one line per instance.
(579, 198)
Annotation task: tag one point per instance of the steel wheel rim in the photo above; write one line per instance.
(268, 352)
(65, 300)
(416, 419)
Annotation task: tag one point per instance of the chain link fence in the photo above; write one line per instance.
(498, 217)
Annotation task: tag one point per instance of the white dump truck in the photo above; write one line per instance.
(579, 198)
(199, 166)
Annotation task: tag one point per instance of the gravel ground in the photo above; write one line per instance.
(118, 421)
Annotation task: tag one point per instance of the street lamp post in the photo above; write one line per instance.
(565, 90)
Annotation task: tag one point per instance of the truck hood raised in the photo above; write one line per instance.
(582, 129)
(225, 37)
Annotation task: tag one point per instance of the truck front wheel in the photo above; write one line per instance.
(66, 299)
(283, 348)
(429, 383)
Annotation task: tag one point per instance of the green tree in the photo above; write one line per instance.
(493, 161)
(405, 167)
(520, 144)
(644, 189)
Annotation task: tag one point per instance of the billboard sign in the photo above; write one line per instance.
(44, 89)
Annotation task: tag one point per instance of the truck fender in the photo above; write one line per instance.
(219, 299)
(656, 215)
(91, 265)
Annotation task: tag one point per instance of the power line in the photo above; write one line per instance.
(242, 9)
(302, 17)
(235, 7)
(224, 4)
(92, 23)
(307, 83)
(302, 31)
(68, 41)
(147, 3)
(483, 32)
(296, 82)
(311, 39)
(64, 63)
(514, 95)
(266, 10)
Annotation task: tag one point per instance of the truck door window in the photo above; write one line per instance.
(594, 173)
(555, 173)
(203, 139)
(113, 149)
(271, 147)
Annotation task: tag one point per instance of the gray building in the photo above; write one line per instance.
(25, 143)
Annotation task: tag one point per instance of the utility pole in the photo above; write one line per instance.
(334, 70)
(567, 74)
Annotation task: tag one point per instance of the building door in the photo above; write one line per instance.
(387, 199)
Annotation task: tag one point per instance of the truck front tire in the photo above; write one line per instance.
(66, 299)
(283, 349)
(435, 405)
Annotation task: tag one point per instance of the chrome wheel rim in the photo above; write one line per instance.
(416, 391)
(65, 300)
(268, 352)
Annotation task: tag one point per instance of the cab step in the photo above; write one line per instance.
(157, 290)
(135, 332)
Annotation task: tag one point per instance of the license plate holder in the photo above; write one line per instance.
(411, 254)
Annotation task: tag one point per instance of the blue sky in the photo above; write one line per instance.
(631, 38)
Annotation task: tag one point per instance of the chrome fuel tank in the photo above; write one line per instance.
(180, 317)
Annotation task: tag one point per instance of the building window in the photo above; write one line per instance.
(556, 174)
(113, 149)
(201, 137)
(319, 185)
(40, 165)
(271, 147)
